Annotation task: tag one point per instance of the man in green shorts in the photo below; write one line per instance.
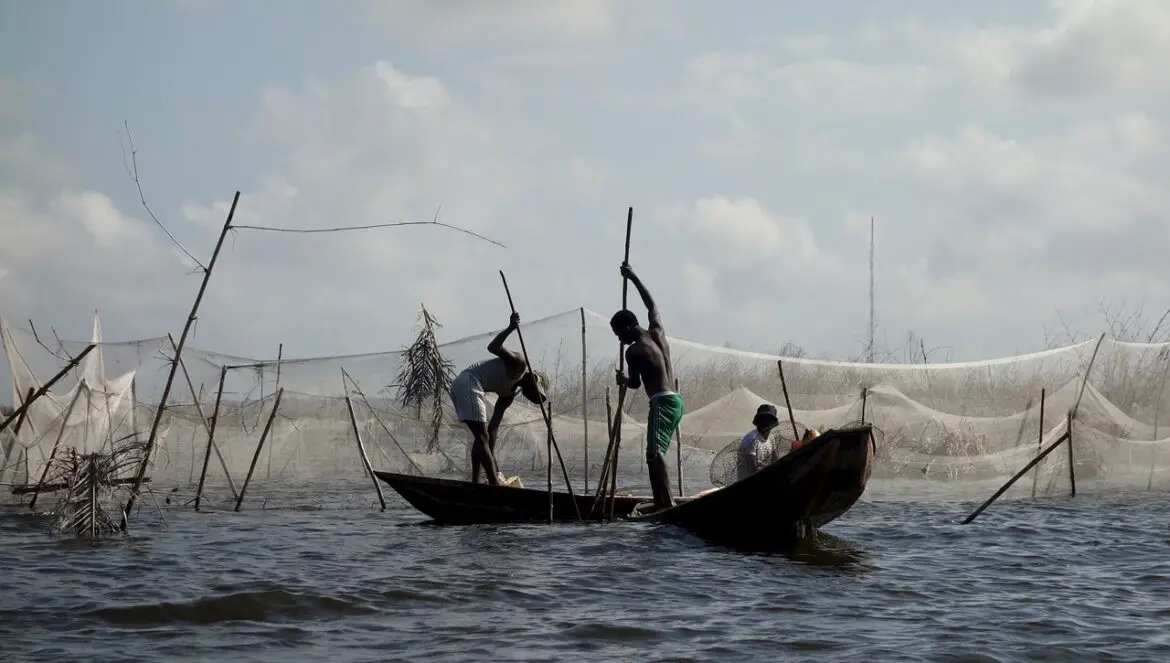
(648, 358)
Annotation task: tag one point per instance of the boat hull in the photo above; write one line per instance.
(802, 490)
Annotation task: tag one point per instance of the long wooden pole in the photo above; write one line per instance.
(279, 356)
(81, 386)
(544, 412)
(211, 442)
(678, 448)
(203, 418)
(259, 447)
(1052, 447)
(1072, 472)
(585, 398)
(45, 387)
(615, 440)
(362, 449)
(162, 401)
(787, 401)
(1039, 442)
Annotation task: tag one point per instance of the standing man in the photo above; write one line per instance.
(502, 375)
(648, 358)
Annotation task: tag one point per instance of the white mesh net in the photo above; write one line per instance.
(960, 426)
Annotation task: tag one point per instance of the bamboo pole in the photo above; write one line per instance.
(162, 401)
(613, 472)
(279, 355)
(346, 376)
(585, 398)
(678, 447)
(544, 412)
(1039, 442)
(1072, 472)
(60, 434)
(1012, 480)
(211, 442)
(787, 401)
(864, 399)
(203, 419)
(362, 449)
(615, 441)
(259, 447)
(45, 387)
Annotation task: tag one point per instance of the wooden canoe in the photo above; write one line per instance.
(808, 487)
(797, 493)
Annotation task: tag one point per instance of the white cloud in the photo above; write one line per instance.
(740, 232)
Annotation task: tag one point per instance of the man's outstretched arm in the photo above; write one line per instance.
(652, 313)
(496, 347)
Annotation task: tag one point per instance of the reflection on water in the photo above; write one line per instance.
(892, 580)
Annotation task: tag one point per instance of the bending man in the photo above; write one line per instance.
(502, 375)
(648, 358)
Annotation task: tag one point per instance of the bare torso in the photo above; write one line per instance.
(649, 359)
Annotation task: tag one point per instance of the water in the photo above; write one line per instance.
(1050, 580)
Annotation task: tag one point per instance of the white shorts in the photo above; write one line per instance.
(468, 397)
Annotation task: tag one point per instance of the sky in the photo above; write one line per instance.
(1013, 156)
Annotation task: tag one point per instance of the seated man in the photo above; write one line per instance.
(757, 449)
(501, 375)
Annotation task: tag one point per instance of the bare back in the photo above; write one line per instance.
(649, 359)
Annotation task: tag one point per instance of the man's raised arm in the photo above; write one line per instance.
(496, 347)
(652, 313)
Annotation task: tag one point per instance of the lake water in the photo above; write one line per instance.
(1086, 579)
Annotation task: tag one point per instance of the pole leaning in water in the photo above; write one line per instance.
(611, 453)
(162, 401)
(544, 411)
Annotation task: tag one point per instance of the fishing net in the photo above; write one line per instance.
(970, 424)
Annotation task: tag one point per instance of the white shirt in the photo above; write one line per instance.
(755, 452)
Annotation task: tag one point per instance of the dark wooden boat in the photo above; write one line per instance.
(455, 502)
(799, 492)
(806, 488)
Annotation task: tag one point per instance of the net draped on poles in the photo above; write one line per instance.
(957, 422)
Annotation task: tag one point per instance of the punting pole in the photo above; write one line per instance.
(552, 442)
(259, 447)
(678, 447)
(1039, 442)
(362, 449)
(585, 398)
(1072, 472)
(211, 442)
(45, 387)
(1019, 474)
(204, 420)
(162, 401)
(615, 440)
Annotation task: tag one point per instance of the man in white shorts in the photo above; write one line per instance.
(503, 375)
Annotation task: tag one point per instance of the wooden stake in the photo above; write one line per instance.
(259, 447)
(211, 442)
(162, 401)
(45, 387)
(203, 418)
(60, 434)
(279, 355)
(864, 398)
(544, 412)
(1015, 478)
(1072, 472)
(1039, 443)
(585, 398)
(787, 402)
(362, 449)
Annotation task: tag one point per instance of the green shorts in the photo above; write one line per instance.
(666, 413)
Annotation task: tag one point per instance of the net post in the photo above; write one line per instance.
(1039, 442)
(45, 387)
(259, 448)
(787, 401)
(203, 418)
(1072, 473)
(57, 443)
(211, 442)
(864, 399)
(362, 450)
(162, 401)
(585, 398)
(279, 356)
